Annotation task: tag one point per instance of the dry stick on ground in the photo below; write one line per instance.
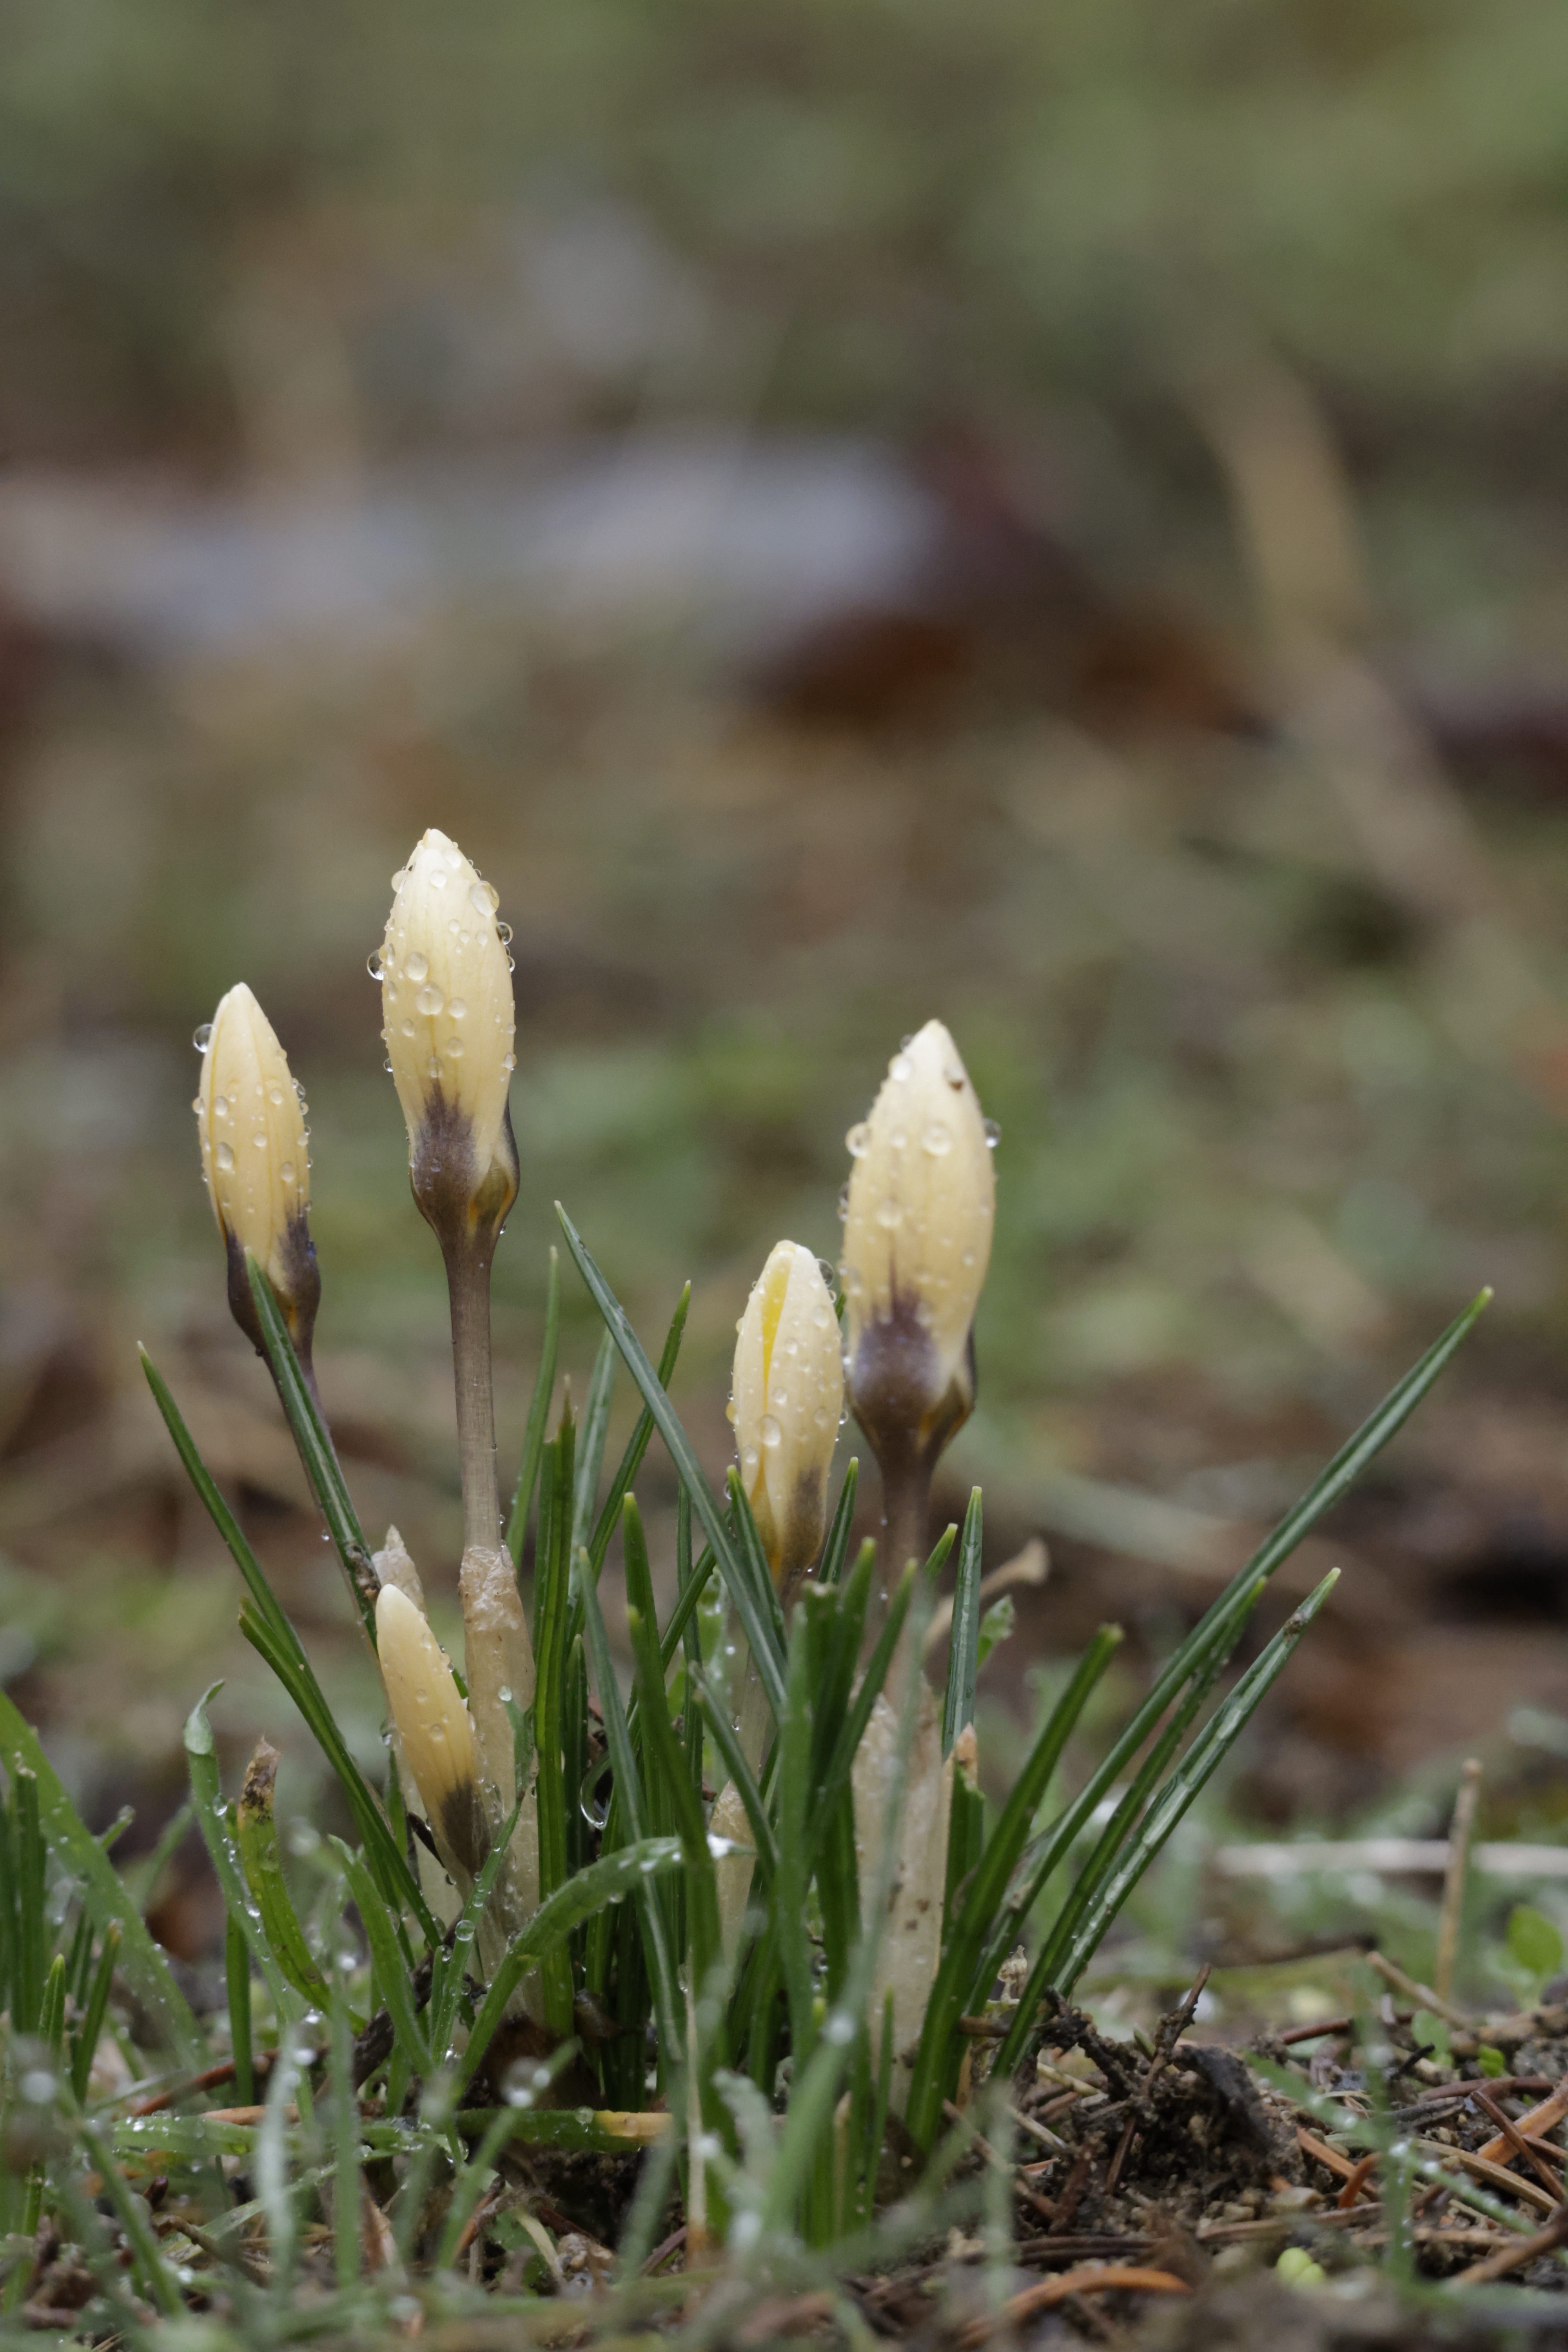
(1518, 2143)
(998, 2163)
(1537, 2123)
(1422, 1995)
(1100, 2278)
(1316, 2033)
(1450, 1917)
(1522, 2251)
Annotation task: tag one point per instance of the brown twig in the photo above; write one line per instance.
(998, 2163)
(1518, 2143)
(1315, 2032)
(1172, 2028)
(1522, 2251)
(1357, 2180)
(1097, 2278)
(1422, 1995)
(1538, 2122)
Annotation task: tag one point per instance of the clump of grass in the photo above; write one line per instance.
(721, 1925)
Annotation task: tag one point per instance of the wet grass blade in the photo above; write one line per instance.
(1207, 1752)
(632, 1812)
(394, 1981)
(836, 1550)
(142, 1965)
(317, 1451)
(538, 1419)
(206, 1792)
(663, 1754)
(963, 1645)
(551, 1599)
(722, 1731)
(97, 2008)
(631, 1461)
(955, 1986)
(756, 1611)
(268, 1630)
(613, 1876)
(592, 1433)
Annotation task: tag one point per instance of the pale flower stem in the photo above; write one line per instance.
(906, 1526)
(469, 1284)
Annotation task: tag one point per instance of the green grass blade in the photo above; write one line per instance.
(956, 1976)
(552, 1597)
(1208, 1645)
(1207, 1752)
(963, 1645)
(449, 1968)
(393, 1980)
(631, 1461)
(792, 1883)
(691, 1592)
(130, 2211)
(836, 1550)
(756, 1614)
(262, 1865)
(538, 1419)
(633, 1810)
(206, 1793)
(31, 1914)
(615, 1875)
(317, 1451)
(236, 1985)
(591, 1437)
(663, 1752)
(266, 1628)
(142, 1965)
(722, 1731)
(90, 2031)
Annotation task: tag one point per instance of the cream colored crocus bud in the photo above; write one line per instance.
(917, 1237)
(434, 1730)
(250, 1119)
(787, 1402)
(446, 992)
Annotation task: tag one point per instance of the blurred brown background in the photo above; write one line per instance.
(1055, 518)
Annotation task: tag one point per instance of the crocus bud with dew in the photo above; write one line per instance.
(434, 1730)
(917, 1237)
(446, 990)
(250, 1118)
(787, 1402)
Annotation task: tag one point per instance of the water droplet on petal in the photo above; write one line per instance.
(508, 1061)
(417, 966)
(898, 1068)
(220, 1105)
(374, 966)
(429, 1001)
(203, 1037)
(772, 1434)
(937, 1139)
(993, 1134)
(287, 1171)
(859, 1140)
(458, 1009)
(888, 1212)
(224, 1155)
(483, 898)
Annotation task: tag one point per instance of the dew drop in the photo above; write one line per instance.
(993, 1134)
(503, 932)
(483, 898)
(408, 1028)
(772, 1434)
(857, 1142)
(729, 1412)
(438, 880)
(429, 1001)
(898, 1068)
(400, 877)
(508, 1061)
(224, 1155)
(458, 1009)
(387, 1067)
(433, 1068)
(453, 1049)
(374, 966)
(275, 1096)
(888, 1214)
(220, 1105)
(843, 1203)
(417, 966)
(203, 1037)
(749, 1457)
(259, 1141)
(937, 1139)
(287, 1171)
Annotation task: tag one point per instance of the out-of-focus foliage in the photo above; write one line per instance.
(890, 206)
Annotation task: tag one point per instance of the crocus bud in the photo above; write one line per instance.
(446, 990)
(917, 1236)
(433, 1727)
(787, 1403)
(250, 1118)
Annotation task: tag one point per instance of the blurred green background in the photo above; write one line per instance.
(1052, 517)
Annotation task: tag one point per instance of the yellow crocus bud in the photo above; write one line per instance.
(917, 1237)
(787, 1402)
(250, 1119)
(434, 1728)
(446, 991)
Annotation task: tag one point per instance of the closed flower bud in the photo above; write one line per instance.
(787, 1404)
(250, 1118)
(446, 991)
(917, 1236)
(433, 1727)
